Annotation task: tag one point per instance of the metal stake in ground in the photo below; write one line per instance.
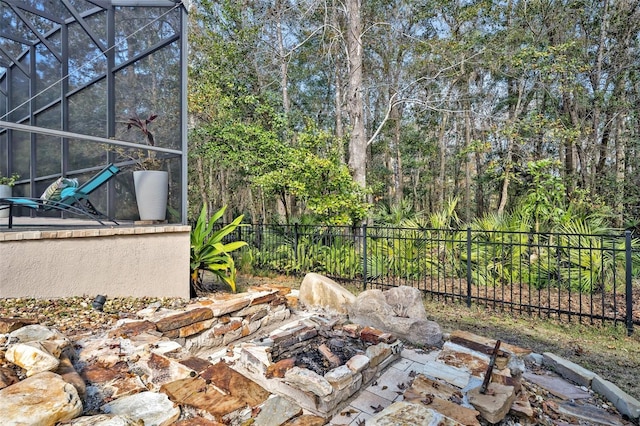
(492, 361)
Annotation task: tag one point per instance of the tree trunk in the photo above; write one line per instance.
(355, 106)
(441, 185)
(282, 57)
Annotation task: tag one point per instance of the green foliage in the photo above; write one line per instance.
(209, 252)
(323, 184)
(9, 180)
(544, 201)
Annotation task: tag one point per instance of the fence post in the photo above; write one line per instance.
(295, 242)
(628, 283)
(468, 267)
(364, 257)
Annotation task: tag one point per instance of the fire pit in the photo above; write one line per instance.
(319, 362)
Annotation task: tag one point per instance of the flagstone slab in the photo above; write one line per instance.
(626, 404)
(405, 413)
(306, 420)
(557, 386)
(569, 370)
(464, 358)
(588, 413)
(184, 318)
(486, 346)
(150, 407)
(423, 386)
(105, 420)
(235, 384)
(196, 364)
(98, 372)
(190, 329)
(276, 411)
(133, 328)
(7, 325)
(452, 410)
(453, 376)
(196, 392)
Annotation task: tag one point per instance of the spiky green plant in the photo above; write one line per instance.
(209, 252)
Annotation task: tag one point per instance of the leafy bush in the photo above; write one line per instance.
(209, 252)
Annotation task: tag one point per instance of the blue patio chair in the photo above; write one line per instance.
(73, 200)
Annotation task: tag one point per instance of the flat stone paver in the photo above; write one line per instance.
(370, 403)
(403, 364)
(391, 384)
(588, 413)
(451, 375)
(346, 416)
(557, 386)
(419, 356)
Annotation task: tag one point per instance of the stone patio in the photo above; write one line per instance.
(183, 367)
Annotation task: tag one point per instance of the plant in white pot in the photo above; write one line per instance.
(6, 183)
(151, 184)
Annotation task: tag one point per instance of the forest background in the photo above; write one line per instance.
(345, 111)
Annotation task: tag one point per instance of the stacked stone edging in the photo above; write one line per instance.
(624, 403)
(135, 371)
(320, 395)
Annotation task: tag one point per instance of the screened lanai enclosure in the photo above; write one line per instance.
(72, 74)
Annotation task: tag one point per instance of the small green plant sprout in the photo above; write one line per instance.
(9, 180)
(209, 252)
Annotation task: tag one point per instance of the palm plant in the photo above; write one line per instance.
(209, 252)
(589, 255)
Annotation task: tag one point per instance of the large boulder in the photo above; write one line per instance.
(150, 407)
(321, 292)
(398, 311)
(42, 399)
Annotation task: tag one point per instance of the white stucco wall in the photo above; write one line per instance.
(116, 262)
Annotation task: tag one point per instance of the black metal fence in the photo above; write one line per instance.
(566, 276)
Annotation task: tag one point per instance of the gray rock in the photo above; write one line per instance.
(406, 302)
(589, 414)
(276, 411)
(625, 403)
(569, 370)
(534, 358)
(372, 308)
(557, 386)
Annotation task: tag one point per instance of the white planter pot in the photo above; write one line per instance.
(5, 192)
(152, 190)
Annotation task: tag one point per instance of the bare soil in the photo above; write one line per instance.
(523, 298)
